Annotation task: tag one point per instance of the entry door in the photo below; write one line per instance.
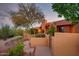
(60, 29)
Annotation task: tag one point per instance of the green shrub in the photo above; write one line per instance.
(40, 35)
(33, 31)
(51, 31)
(6, 32)
(18, 32)
(17, 51)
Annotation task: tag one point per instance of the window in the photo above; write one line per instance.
(61, 29)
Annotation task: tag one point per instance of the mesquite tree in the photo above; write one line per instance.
(70, 11)
(27, 15)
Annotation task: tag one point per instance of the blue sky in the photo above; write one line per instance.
(45, 8)
(48, 12)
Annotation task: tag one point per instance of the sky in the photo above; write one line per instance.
(50, 15)
(46, 8)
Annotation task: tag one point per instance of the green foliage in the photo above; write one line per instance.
(70, 11)
(51, 31)
(19, 32)
(40, 35)
(33, 31)
(17, 51)
(6, 32)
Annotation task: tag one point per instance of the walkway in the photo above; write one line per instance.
(39, 51)
(27, 49)
(42, 51)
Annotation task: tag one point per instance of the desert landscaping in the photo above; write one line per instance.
(29, 29)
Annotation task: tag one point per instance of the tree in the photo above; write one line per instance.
(51, 31)
(70, 11)
(27, 15)
(6, 32)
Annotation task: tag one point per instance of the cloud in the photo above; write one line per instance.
(45, 7)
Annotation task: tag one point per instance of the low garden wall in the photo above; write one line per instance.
(5, 45)
(38, 42)
(12, 42)
(65, 44)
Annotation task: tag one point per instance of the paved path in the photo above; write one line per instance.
(42, 51)
(27, 49)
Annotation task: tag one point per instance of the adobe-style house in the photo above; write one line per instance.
(44, 26)
(66, 26)
(60, 26)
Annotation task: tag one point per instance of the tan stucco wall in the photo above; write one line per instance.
(38, 42)
(65, 44)
(77, 28)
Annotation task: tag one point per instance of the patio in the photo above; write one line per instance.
(42, 51)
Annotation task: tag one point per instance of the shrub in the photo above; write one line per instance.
(17, 51)
(51, 31)
(18, 32)
(40, 35)
(33, 31)
(6, 32)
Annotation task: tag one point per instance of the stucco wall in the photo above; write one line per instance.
(5, 45)
(38, 42)
(65, 44)
(77, 28)
(68, 28)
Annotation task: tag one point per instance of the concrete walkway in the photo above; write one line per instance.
(42, 51)
(27, 49)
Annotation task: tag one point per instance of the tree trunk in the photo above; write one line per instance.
(50, 38)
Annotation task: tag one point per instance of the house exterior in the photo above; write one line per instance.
(60, 26)
(44, 26)
(66, 26)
